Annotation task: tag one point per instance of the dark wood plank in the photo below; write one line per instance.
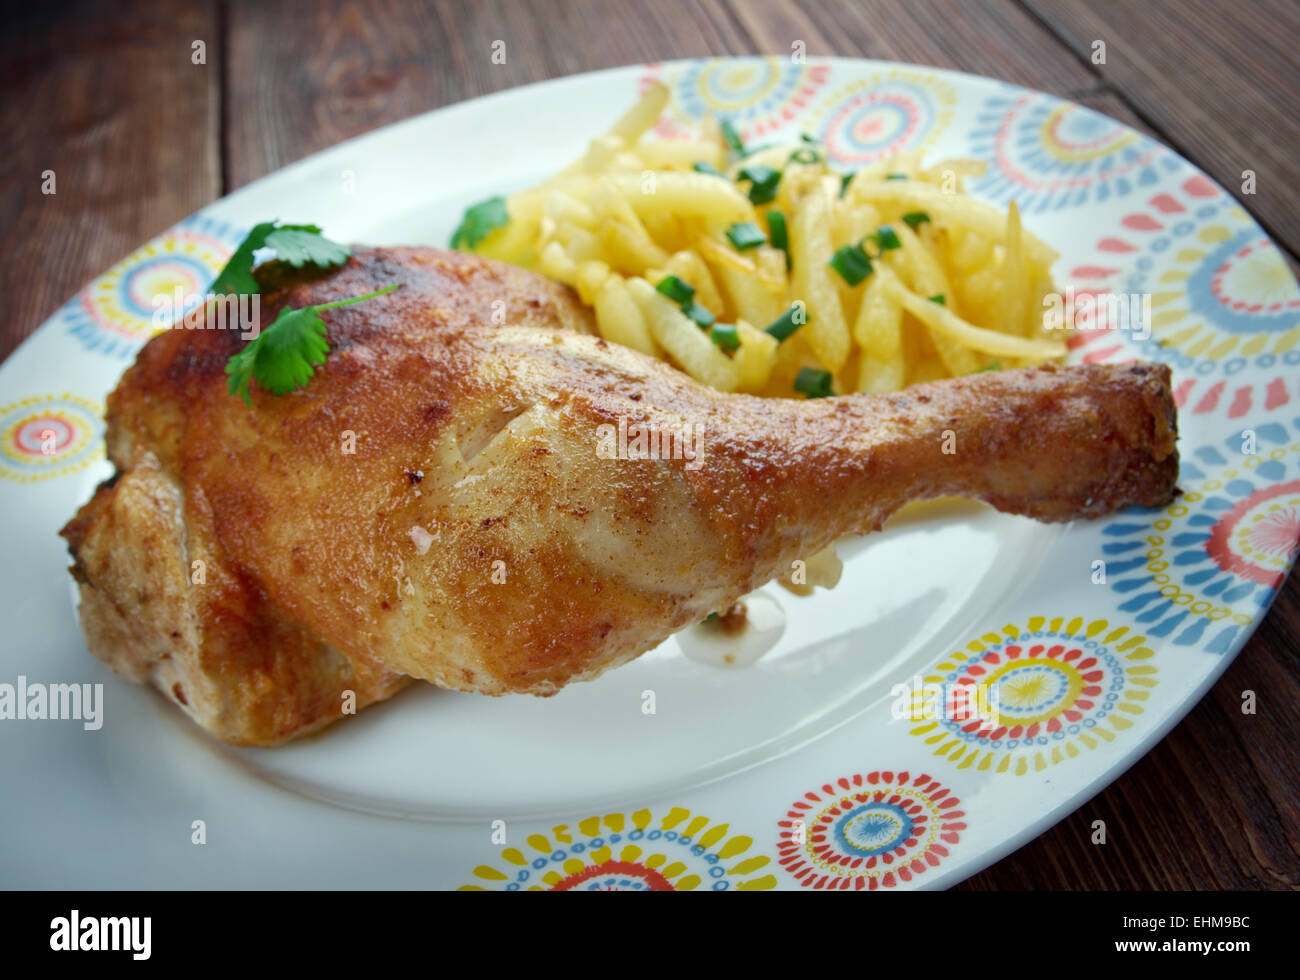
(109, 100)
(1219, 80)
(993, 38)
(304, 76)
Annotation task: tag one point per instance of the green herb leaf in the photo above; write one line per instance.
(938, 298)
(785, 325)
(301, 245)
(745, 235)
(851, 263)
(298, 245)
(725, 335)
(237, 275)
(814, 383)
(699, 314)
(845, 181)
(763, 183)
(676, 290)
(704, 167)
(805, 155)
(895, 176)
(991, 366)
(285, 355)
(480, 221)
(914, 219)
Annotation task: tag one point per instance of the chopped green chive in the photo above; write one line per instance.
(884, 238)
(676, 290)
(699, 314)
(846, 180)
(814, 383)
(745, 235)
(938, 298)
(704, 167)
(914, 219)
(776, 229)
(851, 263)
(778, 235)
(732, 137)
(808, 139)
(763, 183)
(725, 335)
(786, 324)
(805, 156)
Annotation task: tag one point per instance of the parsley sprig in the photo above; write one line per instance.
(285, 355)
(297, 245)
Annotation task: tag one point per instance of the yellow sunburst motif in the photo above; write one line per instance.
(679, 851)
(1023, 699)
(1226, 292)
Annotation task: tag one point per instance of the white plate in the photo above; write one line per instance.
(797, 770)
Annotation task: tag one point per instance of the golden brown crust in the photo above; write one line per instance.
(476, 538)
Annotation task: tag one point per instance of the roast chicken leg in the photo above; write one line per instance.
(456, 497)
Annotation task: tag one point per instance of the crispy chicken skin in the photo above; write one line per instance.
(476, 538)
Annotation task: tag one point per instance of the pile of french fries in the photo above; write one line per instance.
(955, 286)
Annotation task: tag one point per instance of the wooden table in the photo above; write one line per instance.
(109, 97)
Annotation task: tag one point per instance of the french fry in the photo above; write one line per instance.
(619, 317)
(754, 358)
(590, 279)
(750, 299)
(879, 331)
(629, 248)
(684, 341)
(643, 114)
(685, 194)
(810, 249)
(678, 154)
(555, 262)
(942, 320)
(1011, 312)
(929, 279)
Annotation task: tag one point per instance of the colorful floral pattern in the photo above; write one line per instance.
(49, 436)
(1222, 301)
(636, 852)
(757, 95)
(869, 831)
(1207, 566)
(1048, 154)
(116, 313)
(883, 115)
(1023, 699)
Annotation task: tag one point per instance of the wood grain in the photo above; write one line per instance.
(110, 101)
(1217, 803)
(304, 76)
(1219, 79)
